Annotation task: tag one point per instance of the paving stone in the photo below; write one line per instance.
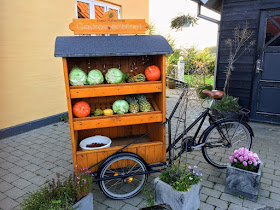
(210, 192)
(32, 167)
(31, 188)
(10, 177)
(133, 201)
(115, 204)
(27, 157)
(36, 161)
(232, 199)
(234, 206)
(276, 183)
(38, 180)
(99, 206)
(263, 193)
(206, 183)
(8, 203)
(12, 159)
(269, 202)
(21, 183)
(22, 163)
(270, 188)
(216, 202)
(275, 196)
(129, 207)
(14, 193)
(252, 205)
(6, 165)
(2, 196)
(217, 180)
(48, 165)
(3, 171)
(203, 197)
(206, 206)
(27, 175)
(44, 172)
(4, 186)
(266, 181)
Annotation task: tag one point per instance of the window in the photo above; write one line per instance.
(91, 9)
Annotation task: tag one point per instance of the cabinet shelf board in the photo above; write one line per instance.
(117, 120)
(115, 89)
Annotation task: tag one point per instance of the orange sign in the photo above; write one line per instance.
(109, 25)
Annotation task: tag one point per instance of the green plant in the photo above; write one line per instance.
(179, 21)
(150, 193)
(179, 178)
(58, 194)
(63, 118)
(227, 103)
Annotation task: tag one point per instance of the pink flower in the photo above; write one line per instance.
(85, 181)
(78, 182)
(241, 159)
(195, 166)
(78, 177)
(245, 163)
(231, 159)
(259, 162)
(250, 162)
(255, 163)
(246, 158)
(189, 167)
(234, 160)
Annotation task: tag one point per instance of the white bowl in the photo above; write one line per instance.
(95, 139)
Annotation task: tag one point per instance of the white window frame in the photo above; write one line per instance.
(91, 4)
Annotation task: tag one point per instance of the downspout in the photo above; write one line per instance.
(218, 37)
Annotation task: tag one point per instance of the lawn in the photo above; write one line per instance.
(193, 79)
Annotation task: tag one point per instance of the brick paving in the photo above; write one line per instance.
(29, 159)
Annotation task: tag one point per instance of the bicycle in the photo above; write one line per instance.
(123, 174)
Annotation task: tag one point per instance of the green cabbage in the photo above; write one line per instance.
(114, 76)
(95, 77)
(120, 106)
(77, 76)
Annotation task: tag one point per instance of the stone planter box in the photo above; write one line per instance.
(86, 203)
(165, 194)
(244, 183)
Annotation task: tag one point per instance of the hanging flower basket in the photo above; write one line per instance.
(183, 21)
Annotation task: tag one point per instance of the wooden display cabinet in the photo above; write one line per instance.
(131, 54)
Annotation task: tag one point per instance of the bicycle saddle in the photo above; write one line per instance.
(214, 93)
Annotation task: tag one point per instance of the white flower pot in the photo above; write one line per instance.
(164, 193)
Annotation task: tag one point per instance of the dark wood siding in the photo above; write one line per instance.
(235, 13)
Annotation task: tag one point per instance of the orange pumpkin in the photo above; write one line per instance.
(81, 109)
(152, 73)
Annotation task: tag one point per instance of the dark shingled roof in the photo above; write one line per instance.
(97, 46)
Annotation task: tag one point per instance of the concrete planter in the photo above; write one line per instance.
(164, 193)
(244, 183)
(86, 203)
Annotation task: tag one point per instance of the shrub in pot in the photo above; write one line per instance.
(178, 187)
(244, 174)
(227, 107)
(74, 192)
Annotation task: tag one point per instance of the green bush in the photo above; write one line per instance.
(58, 195)
(227, 103)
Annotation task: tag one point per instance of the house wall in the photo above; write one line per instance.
(235, 13)
(32, 81)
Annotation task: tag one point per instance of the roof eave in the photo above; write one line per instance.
(214, 5)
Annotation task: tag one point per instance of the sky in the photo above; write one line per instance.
(202, 35)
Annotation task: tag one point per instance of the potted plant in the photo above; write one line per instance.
(178, 187)
(201, 71)
(227, 107)
(171, 69)
(73, 193)
(183, 20)
(244, 174)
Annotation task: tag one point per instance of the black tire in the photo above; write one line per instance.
(122, 188)
(223, 138)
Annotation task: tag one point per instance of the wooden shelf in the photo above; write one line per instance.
(117, 120)
(115, 89)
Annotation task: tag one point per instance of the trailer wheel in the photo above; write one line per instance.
(122, 164)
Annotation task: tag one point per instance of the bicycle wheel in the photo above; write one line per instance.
(223, 138)
(122, 164)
